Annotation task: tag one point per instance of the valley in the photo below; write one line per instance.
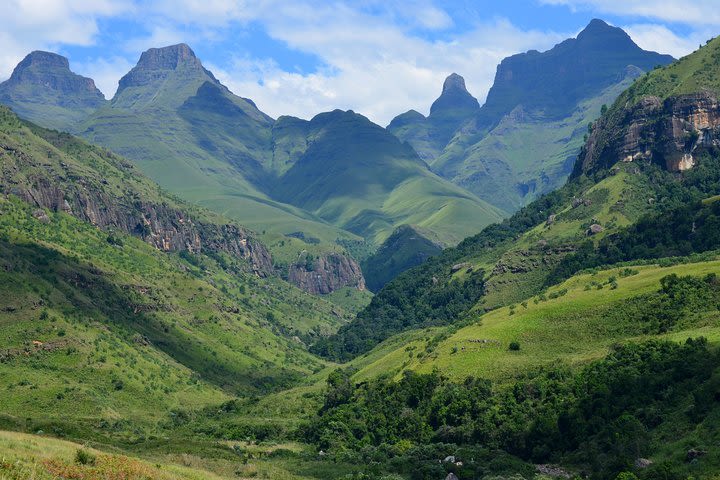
(525, 288)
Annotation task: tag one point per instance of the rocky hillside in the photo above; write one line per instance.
(669, 117)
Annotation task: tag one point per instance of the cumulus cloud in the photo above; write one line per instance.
(661, 39)
(41, 24)
(702, 12)
(373, 65)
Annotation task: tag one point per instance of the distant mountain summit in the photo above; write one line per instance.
(428, 136)
(524, 140)
(574, 69)
(42, 86)
(454, 98)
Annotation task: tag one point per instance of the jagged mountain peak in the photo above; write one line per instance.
(52, 71)
(600, 34)
(454, 83)
(147, 83)
(455, 99)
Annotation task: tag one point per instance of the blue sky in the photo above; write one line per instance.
(302, 57)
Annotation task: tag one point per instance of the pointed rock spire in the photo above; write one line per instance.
(454, 83)
(455, 100)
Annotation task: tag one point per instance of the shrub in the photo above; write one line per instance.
(83, 457)
(514, 346)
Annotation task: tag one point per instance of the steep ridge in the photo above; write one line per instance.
(43, 88)
(624, 191)
(523, 141)
(408, 246)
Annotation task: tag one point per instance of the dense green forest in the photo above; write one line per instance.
(601, 419)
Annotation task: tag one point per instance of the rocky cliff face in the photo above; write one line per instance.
(670, 133)
(328, 273)
(59, 183)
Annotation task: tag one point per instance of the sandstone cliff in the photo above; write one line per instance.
(670, 133)
(326, 274)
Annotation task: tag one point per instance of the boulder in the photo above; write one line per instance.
(643, 463)
(695, 453)
(595, 229)
(41, 216)
(458, 267)
(451, 476)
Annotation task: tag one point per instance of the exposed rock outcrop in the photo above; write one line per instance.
(83, 193)
(162, 226)
(670, 133)
(328, 273)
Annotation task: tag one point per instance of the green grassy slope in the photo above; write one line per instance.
(338, 178)
(165, 330)
(571, 323)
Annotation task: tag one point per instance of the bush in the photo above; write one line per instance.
(83, 457)
(514, 346)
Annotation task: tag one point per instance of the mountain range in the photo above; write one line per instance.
(523, 141)
(296, 181)
(148, 333)
(192, 135)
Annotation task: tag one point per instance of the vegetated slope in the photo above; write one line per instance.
(523, 141)
(517, 258)
(407, 247)
(356, 175)
(164, 329)
(43, 88)
(644, 411)
(41, 458)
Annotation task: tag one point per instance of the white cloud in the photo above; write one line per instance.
(659, 38)
(44, 24)
(105, 71)
(703, 12)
